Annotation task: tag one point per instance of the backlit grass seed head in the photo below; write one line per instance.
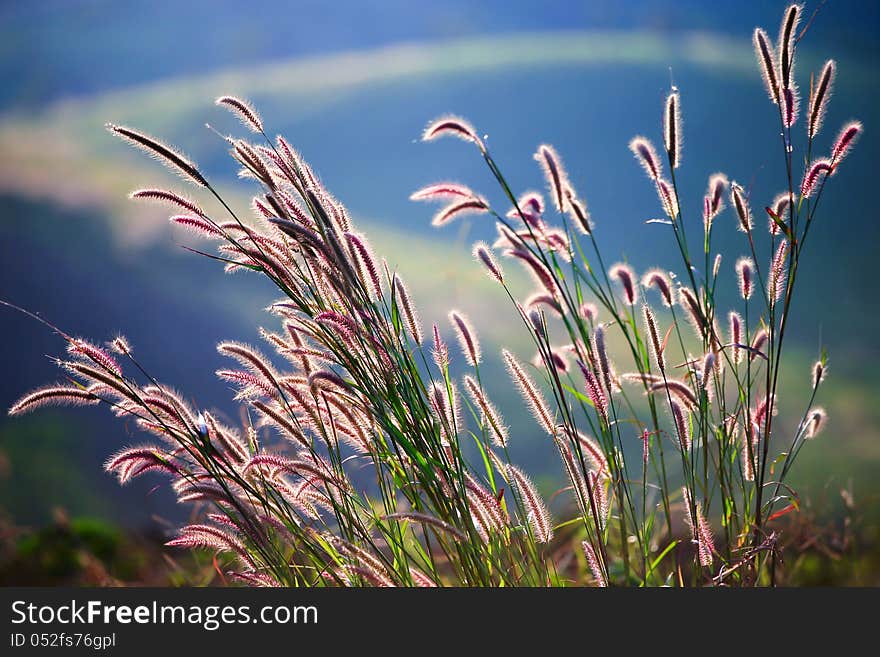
(666, 194)
(88, 351)
(120, 345)
(714, 200)
(816, 172)
(589, 312)
(601, 351)
(766, 56)
(554, 174)
(845, 140)
(791, 104)
(197, 225)
(593, 563)
(716, 265)
(530, 393)
(577, 210)
(759, 341)
(442, 192)
(786, 44)
(644, 152)
(816, 420)
(452, 126)
(538, 515)
(672, 128)
(165, 196)
(165, 154)
(777, 274)
(654, 334)
(243, 110)
(736, 336)
(459, 208)
(542, 299)
(440, 352)
(483, 254)
(741, 205)
(52, 395)
(700, 529)
(820, 96)
(679, 420)
(819, 372)
(745, 272)
(467, 337)
(658, 279)
(781, 207)
(595, 393)
(693, 311)
(410, 314)
(492, 419)
(627, 278)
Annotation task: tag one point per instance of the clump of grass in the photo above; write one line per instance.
(363, 390)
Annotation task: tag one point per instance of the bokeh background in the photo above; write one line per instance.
(351, 84)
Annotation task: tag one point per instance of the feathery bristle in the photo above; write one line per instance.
(767, 63)
(776, 275)
(816, 419)
(817, 170)
(672, 128)
(644, 152)
(593, 563)
(654, 334)
(491, 416)
(554, 173)
(624, 273)
(819, 371)
(161, 152)
(245, 113)
(845, 140)
(736, 336)
(453, 126)
(657, 278)
(745, 271)
(681, 425)
(49, 395)
(483, 254)
(741, 205)
(530, 392)
(820, 96)
(538, 515)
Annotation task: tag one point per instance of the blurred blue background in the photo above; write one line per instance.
(351, 84)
